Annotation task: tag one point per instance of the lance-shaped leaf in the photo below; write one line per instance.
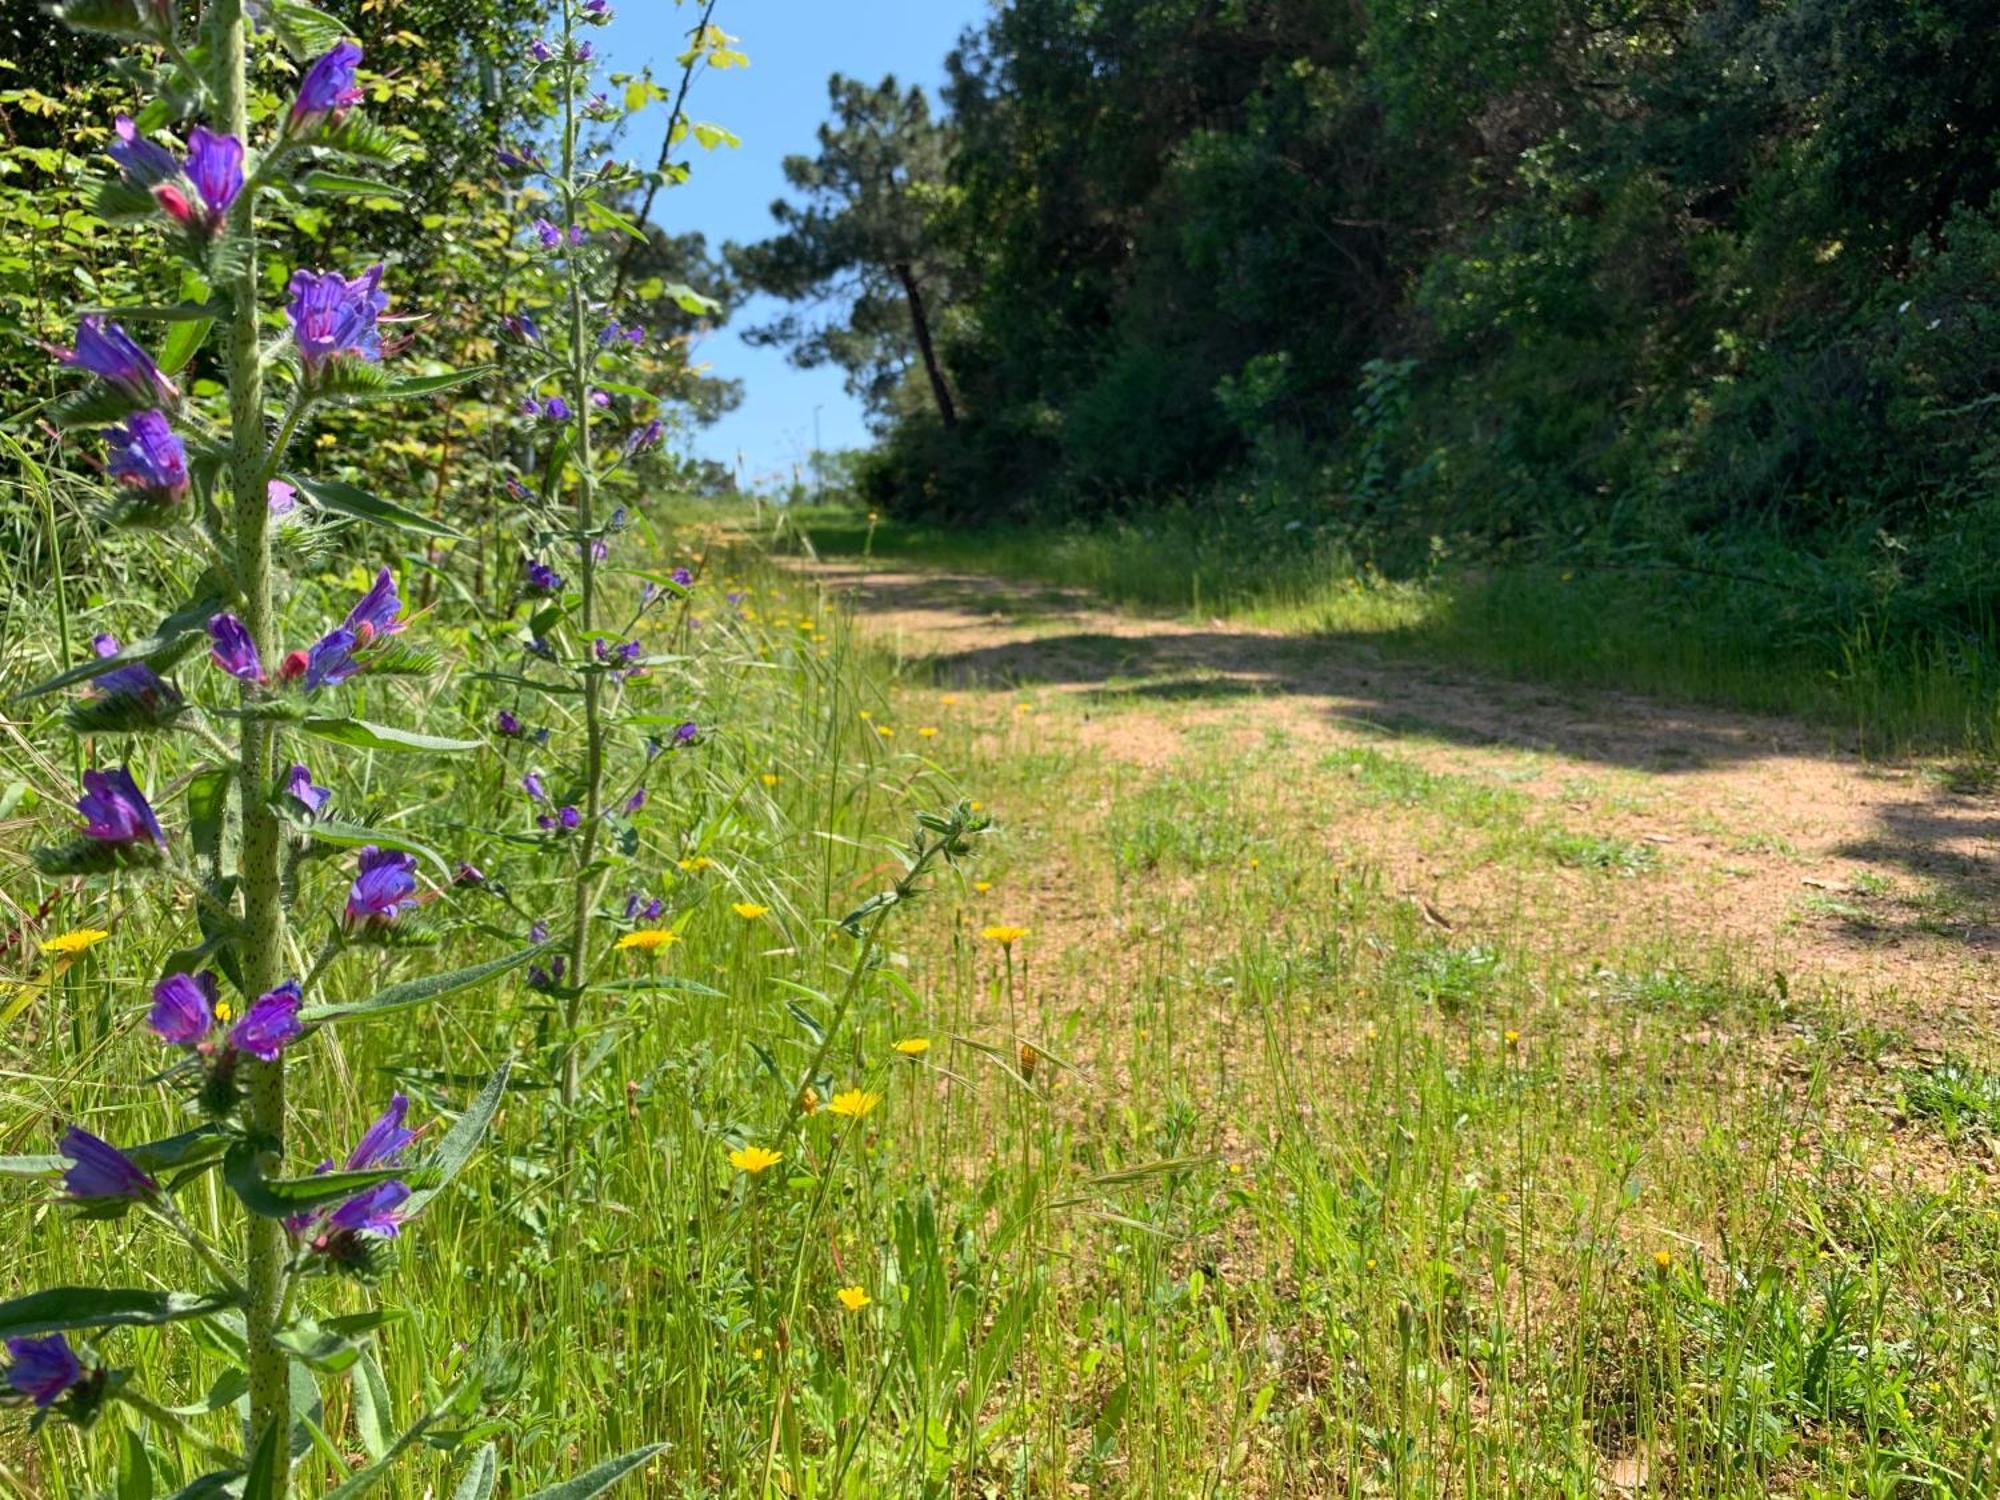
(223, 1484)
(64, 1307)
(456, 1149)
(601, 1478)
(366, 736)
(478, 1481)
(281, 1197)
(430, 385)
(660, 982)
(191, 1148)
(170, 640)
(354, 836)
(688, 300)
(414, 992)
(302, 30)
(340, 185)
(357, 504)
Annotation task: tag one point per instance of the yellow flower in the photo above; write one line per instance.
(982, 886)
(886, 731)
(698, 863)
(852, 1104)
(649, 938)
(809, 1100)
(1005, 934)
(853, 1298)
(948, 701)
(807, 625)
(1663, 1259)
(1512, 1038)
(929, 731)
(769, 778)
(914, 1046)
(977, 804)
(867, 714)
(749, 911)
(754, 1159)
(224, 1011)
(69, 944)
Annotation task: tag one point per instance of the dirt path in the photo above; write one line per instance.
(1757, 835)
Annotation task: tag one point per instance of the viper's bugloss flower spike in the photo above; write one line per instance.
(332, 316)
(115, 811)
(642, 438)
(597, 12)
(556, 409)
(98, 1172)
(328, 89)
(184, 1009)
(331, 661)
(548, 234)
(42, 1369)
(542, 578)
(540, 50)
(299, 787)
(147, 456)
(570, 818)
(215, 166)
(377, 1211)
(682, 576)
(270, 1023)
(135, 680)
(532, 785)
(505, 723)
(233, 650)
(142, 163)
(385, 882)
(376, 612)
(106, 350)
(383, 1141)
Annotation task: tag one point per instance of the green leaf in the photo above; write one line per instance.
(366, 736)
(371, 1406)
(208, 802)
(135, 1467)
(414, 992)
(321, 1348)
(456, 1149)
(688, 300)
(171, 639)
(478, 1481)
(711, 136)
(601, 1478)
(340, 185)
(190, 1148)
(185, 338)
(357, 504)
(601, 217)
(281, 1197)
(223, 1484)
(302, 30)
(426, 385)
(261, 1480)
(661, 982)
(31, 1166)
(354, 836)
(64, 1307)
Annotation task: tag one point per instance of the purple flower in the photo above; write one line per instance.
(328, 88)
(653, 909)
(522, 327)
(334, 316)
(539, 933)
(233, 650)
(600, 549)
(524, 160)
(385, 884)
(642, 438)
(147, 456)
(271, 1021)
(134, 680)
(648, 592)
(585, 52)
(548, 234)
(542, 735)
(597, 12)
(684, 733)
(542, 578)
(577, 233)
(556, 409)
(215, 165)
(183, 1012)
(375, 1211)
(532, 785)
(631, 905)
(540, 50)
(374, 614)
(43, 1368)
(385, 1140)
(299, 787)
(600, 399)
(107, 351)
(280, 498)
(115, 811)
(507, 724)
(636, 801)
(470, 874)
(682, 576)
(570, 818)
(514, 486)
(98, 1171)
(331, 661)
(142, 163)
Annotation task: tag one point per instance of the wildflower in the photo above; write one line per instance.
(649, 939)
(749, 911)
(142, 163)
(507, 724)
(770, 778)
(599, 398)
(854, 1104)
(328, 89)
(469, 874)
(185, 1009)
(887, 731)
(540, 50)
(271, 1021)
(1663, 1259)
(215, 166)
(233, 649)
(947, 701)
(754, 1159)
(532, 785)
(1029, 1057)
(1512, 1039)
(809, 1100)
(299, 787)
(107, 351)
(548, 234)
(524, 160)
(1005, 934)
(538, 933)
(929, 732)
(542, 578)
(384, 1140)
(280, 499)
(522, 326)
(98, 1172)
(43, 1369)
(115, 811)
(853, 1298)
(377, 1211)
(77, 940)
(636, 801)
(695, 865)
(556, 409)
(570, 818)
(385, 883)
(685, 734)
(585, 52)
(642, 438)
(375, 612)
(147, 456)
(914, 1046)
(329, 663)
(332, 316)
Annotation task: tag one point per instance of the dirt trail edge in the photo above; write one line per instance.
(1877, 876)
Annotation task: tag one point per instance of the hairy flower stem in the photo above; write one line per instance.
(263, 943)
(580, 352)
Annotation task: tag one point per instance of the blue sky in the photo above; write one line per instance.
(775, 105)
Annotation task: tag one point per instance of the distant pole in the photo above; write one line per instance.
(819, 466)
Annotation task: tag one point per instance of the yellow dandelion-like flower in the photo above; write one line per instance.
(1006, 934)
(754, 1159)
(853, 1298)
(853, 1104)
(749, 911)
(1024, 708)
(808, 625)
(948, 701)
(929, 731)
(887, 731)
(977, 804)
(982, 886)
(1512, 1038)
(770, 778)
(867, 713)
(695, 865)
(1663, 1259)
(914, 1046)
(69, 944)
(647, 939)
